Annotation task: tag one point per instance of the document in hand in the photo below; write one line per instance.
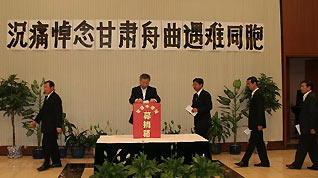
(298, 128)
(247, 131)
(189, 109)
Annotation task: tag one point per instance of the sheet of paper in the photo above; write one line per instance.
(189, 109)
(247, 131)
(298, 128)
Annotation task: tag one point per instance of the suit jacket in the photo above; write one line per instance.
(136, 92)
(307, 116)
(297, 108)
(202, 121)
(257, 111)
(50, 114)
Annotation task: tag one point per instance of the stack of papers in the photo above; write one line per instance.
(189, 109)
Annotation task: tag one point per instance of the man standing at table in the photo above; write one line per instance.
(51, 117)
(202, 105)
(143, 93)
(256, 123)
(307, 123)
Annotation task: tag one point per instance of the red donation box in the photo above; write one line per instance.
(147, 120)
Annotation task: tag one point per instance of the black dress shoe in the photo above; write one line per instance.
(241, 164)
(43, 168)
(291, 166)
(54, 165)
(313, 168)
(262, 165)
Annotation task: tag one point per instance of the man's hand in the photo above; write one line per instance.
(59, 130)
(139, 100)
(195, 110)
(259, 128)
(312, 131)
(153, 101)
(33, 124)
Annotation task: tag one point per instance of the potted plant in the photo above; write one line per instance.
(173, 167)
(202, 167)
(110, 169)
(36, 88)
(169, 128)
(93, 135)
(16, 99)
(142, 167)
(76, 140)
(219, 131)
(232, 112)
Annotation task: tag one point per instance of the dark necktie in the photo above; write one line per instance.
(196, 96)
(45, 100)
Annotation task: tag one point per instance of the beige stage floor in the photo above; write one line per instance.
(26, 166)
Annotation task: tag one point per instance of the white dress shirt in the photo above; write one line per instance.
(305, 95)
(199, 92)
(143, 93)
(49, 95)
(254, 92)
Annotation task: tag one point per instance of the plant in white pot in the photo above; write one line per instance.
(16, 99)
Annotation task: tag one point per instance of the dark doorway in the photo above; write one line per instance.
(298, 69)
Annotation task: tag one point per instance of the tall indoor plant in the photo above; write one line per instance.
(36, 88)
(16, 99)
(218, 132)
(232, 111)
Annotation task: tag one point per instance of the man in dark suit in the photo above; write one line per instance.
(202, 104)
(50, 117)
(297, 108)
(256, 123)
(307, 123)
(143, 93)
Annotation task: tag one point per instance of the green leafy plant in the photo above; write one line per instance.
(270, 90)
(142, 167)
(169, 128)
(93, 135)
(219, 130)
(16, 99)
(202, 167)
(231, 109)
(36, 89)
(75, 138)
(173, 167)
(112, 170)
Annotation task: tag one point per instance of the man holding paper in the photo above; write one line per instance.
(143, 93)
(307, 124)
(201, 107)
(256, 123)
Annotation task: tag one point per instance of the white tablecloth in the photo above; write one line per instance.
(165, 138)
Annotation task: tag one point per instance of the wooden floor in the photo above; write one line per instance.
(278, 160)
(26, 166)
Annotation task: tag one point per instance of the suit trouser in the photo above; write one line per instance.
(50, 148)
(203, 133)
(256, 140)
(202, 129)
(307, 144)
(313, 153)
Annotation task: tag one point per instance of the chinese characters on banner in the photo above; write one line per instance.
(134, 35)
(147, 120)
